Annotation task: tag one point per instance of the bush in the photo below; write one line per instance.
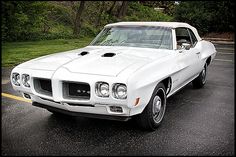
(138, 12)
(88, 30)
(207, 16)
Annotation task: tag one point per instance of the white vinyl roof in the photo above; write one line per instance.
(162, 24)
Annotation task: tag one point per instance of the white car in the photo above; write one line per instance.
(128, 70)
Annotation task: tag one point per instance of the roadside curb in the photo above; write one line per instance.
(219, 40)
(223, 42)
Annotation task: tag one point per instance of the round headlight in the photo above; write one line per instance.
(120, 91)
(15, 79)
(102, 89)
(26, 80)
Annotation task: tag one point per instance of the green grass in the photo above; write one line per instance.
(14, 53)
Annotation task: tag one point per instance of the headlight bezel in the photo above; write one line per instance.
(98, 89)
(27, 82)
(15, 78)
(115, 91)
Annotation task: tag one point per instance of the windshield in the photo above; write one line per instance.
(135, 36)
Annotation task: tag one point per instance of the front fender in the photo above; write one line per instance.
(143, 82)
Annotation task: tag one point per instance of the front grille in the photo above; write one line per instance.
(43, 86)
(76, 90)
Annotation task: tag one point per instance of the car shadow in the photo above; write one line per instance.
(108, 136)
(71, 125)
(80, 123)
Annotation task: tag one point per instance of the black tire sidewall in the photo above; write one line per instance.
(149, 108)
(198, 82)
(205, 67)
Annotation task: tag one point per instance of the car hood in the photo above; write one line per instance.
(95, 62)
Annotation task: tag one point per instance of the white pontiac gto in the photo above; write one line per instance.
(128, 70)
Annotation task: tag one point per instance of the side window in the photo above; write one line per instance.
(193, 38)
(182, 36)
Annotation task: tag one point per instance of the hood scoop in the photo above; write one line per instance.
(108, 54)
(84, 53)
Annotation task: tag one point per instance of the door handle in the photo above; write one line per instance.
(198, 52)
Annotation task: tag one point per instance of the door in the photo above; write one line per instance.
(188, 58)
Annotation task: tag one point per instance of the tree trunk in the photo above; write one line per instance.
(46, 27)
(100, 14)
(78, 17)
(111, 9)
(123, 9)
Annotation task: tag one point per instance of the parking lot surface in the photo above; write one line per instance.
(197, 122)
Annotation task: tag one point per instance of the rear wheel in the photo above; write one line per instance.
(154, 112)
(200, 81)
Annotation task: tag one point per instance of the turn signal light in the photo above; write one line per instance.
(136, 101)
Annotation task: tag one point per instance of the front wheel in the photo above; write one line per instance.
(200, 81)
(154, 112)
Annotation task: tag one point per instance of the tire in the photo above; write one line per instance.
(200, 81)
(151, 117)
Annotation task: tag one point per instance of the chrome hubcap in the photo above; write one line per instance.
(157, 104)
(204, 75)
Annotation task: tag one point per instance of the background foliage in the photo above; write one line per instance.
(207, 16)
(42, 20)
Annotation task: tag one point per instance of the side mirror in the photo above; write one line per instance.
(185, 46)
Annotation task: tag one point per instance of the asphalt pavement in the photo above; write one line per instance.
(197, 122)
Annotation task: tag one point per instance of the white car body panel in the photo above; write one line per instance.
(140, 69)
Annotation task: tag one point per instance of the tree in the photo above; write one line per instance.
(100, 13)
(39, 20)
(123, 9)
(111, 8)
(167, 5)
(78, 16)
(207, 16)
(72, 13)
(22, 20)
